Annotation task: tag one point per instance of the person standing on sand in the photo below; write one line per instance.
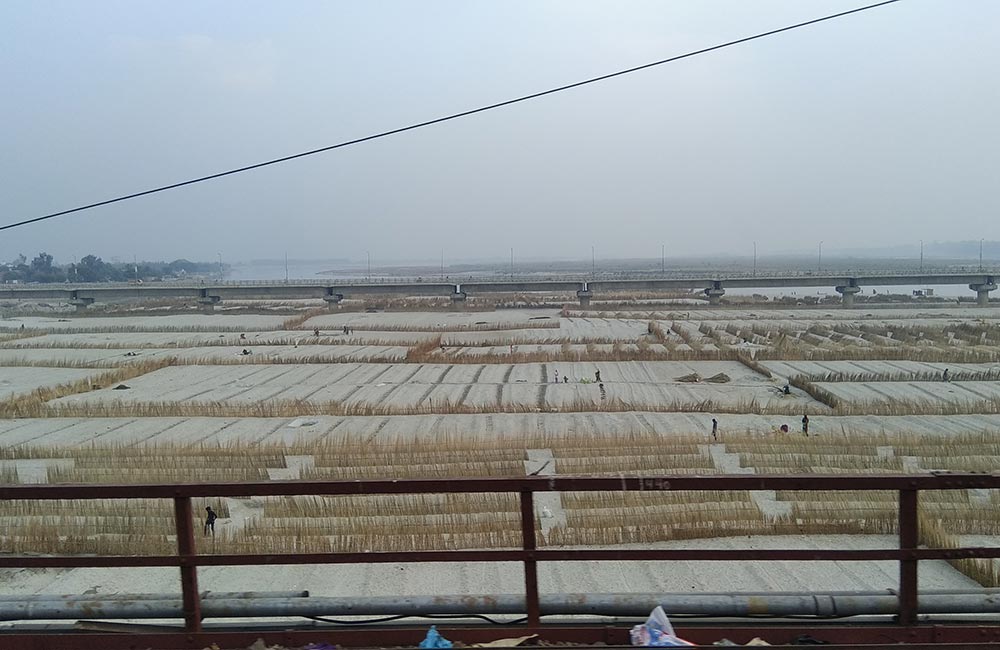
(210, 518)
(945, 375)
(715, 429)
(557, 376)
(805, 424)
(597, 376)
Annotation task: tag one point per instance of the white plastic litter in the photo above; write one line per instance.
(657, 632)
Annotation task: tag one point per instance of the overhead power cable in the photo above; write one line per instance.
(447, 118)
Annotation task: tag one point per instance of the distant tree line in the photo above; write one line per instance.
(93, 269)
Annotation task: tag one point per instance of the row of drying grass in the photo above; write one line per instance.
(105, 508)
(296, 408)
(402, 505)
(354, 448)
(936, 532)
(482, 326)
(105, 475)
(990, 374)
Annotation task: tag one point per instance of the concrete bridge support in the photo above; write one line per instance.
(458, 300)
(848, 292)
(81, 304)
(715, 293)
(208, 303)
(584, 296)
(983, 292)
(333, 300)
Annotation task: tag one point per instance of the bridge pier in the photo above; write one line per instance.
(208, 303)
(333, 300)
(848, 292)
(81, 304)
(715, 293)
(458, 300)
(983, 292)
(584, 295)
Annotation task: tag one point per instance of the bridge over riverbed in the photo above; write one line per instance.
(713, 287)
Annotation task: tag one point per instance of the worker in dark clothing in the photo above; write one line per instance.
(805, 424)
(597, 376)
(715, 429)
(787, 390)
(945, 375)
(210, 518)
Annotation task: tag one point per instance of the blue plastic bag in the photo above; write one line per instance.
(434, 639)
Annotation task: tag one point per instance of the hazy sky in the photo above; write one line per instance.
(878, 128)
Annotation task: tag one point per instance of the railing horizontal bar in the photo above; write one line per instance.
(563, 555)
(532, 484)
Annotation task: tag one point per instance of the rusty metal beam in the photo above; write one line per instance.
(534, 484)
(909, 538)
(839, 636)
(555, 555)
(184, 518)
(532, 607)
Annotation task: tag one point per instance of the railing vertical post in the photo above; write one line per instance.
(909, 537)
(530, 563)
(184, 520)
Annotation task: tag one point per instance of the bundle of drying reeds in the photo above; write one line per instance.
(391, 505)
(934, 534)
(298, 321)
(419, 353)
(639, 532)
(109, 526)
(839, 461)
(626, 500)
(57, 474)
(15, 335)
(659, 447)
(991, 374)
(296, 408)
(325, 456)
(693, 342)
(50, 542)
(453, 469)
(261, 541)
(649, 463)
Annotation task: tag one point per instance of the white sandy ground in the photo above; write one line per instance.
(180, 321)
(19, 381)
(497, 426)
(434, 321)
(529, 385)
(931, 392)
(507, 578)
(139, 340)
(205, 354)
(829, 315)
(817, 369)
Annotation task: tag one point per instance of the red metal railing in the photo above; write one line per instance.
(187, 560)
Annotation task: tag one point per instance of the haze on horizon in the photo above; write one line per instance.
(877, 129)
